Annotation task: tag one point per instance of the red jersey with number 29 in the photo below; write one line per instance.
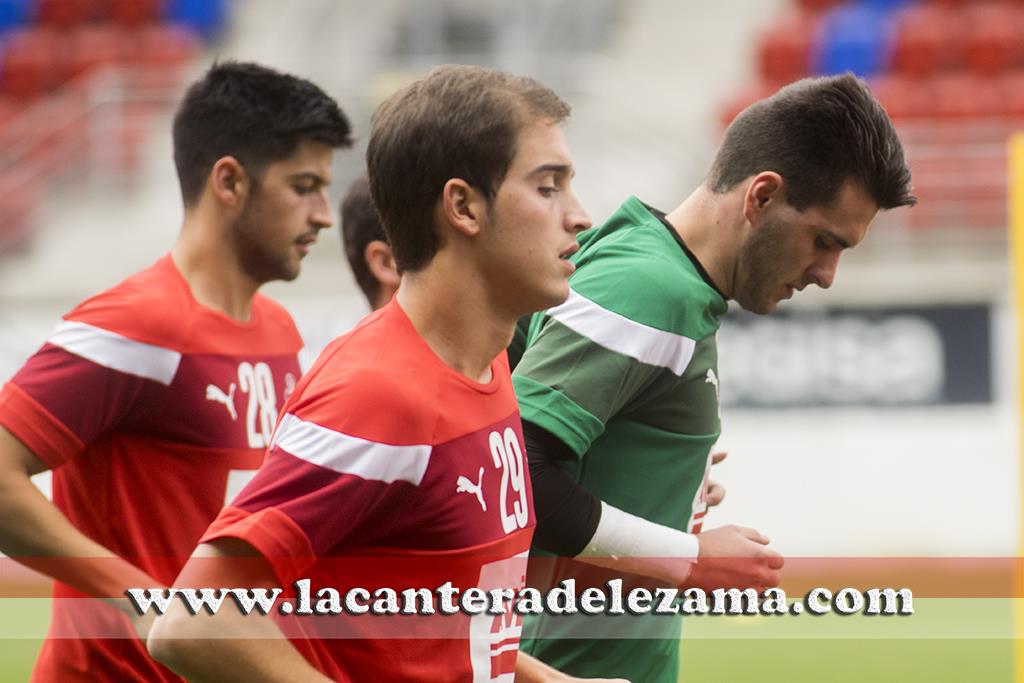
(388, 465)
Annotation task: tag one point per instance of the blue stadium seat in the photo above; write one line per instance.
(206, 17)
(855, 38)
(14, 13)
(887, 4)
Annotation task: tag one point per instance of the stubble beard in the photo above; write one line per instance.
(758, 260)
(252, 244)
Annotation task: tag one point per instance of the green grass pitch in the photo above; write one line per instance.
(946, 640)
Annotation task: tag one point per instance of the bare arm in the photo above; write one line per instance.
(37, 534)
(229, 645)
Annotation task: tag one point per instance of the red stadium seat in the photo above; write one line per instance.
(784, 51)
(992, 41)
(66, 13)
(9, 110)
(816, 6)
(95, 45)
(904, 97)
(165, 45)
(928, 39)
(1011, 85)
(987, 176)
(962, 95)
(34, 62)
(135, 12)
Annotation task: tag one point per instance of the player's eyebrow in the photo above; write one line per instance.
(309, 175)
(558, 169)
(841, 241)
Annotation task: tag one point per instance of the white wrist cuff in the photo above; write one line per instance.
(641, 546)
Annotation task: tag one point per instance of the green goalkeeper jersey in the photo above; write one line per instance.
(625, 374)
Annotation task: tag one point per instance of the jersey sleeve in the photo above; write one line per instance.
(82, 382)
(336, 475)
(588, 359)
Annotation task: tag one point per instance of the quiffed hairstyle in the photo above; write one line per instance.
(817, 133)
(456, 122)
(254, 114)
(360, 225)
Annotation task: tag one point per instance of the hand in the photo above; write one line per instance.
(714, 493)
(141, 623)
(735, 557)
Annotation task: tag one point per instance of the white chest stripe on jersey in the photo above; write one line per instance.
(348, 454)
(111, 350)
(622, 335)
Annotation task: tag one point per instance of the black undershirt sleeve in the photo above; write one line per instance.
(567, 513)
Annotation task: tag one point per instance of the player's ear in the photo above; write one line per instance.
(763, 191)
(462, 206)
(229, 182)
(381, 263)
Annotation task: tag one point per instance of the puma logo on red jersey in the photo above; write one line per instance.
(214, 393)
(464, 485)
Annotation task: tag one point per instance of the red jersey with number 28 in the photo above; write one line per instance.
(390, 467)
(152, 411)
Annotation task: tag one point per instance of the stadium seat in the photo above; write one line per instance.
(815, 6)
(927, 38)
(164, 45)
(887, 5)
(950, 73)
(9, 110)
(992, 41)
(66, 13)
(986, 176)
(854, 38)
(95, 45)
(957, 174)
(784, 52)
(963, 95)
(14, 13)
(904, 97)
(34, 62)
(45, 43)
(206, 17)
(1011, 95)
(960, 184)
(135, 12)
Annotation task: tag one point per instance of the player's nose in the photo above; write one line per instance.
(576, 217)
(823, 271)
(320, 217)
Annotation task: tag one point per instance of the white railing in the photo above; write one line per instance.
(90, 128)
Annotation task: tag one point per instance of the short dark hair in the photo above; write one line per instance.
(253, 113)
(817, 133)
(455, 122)
(360, 225)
